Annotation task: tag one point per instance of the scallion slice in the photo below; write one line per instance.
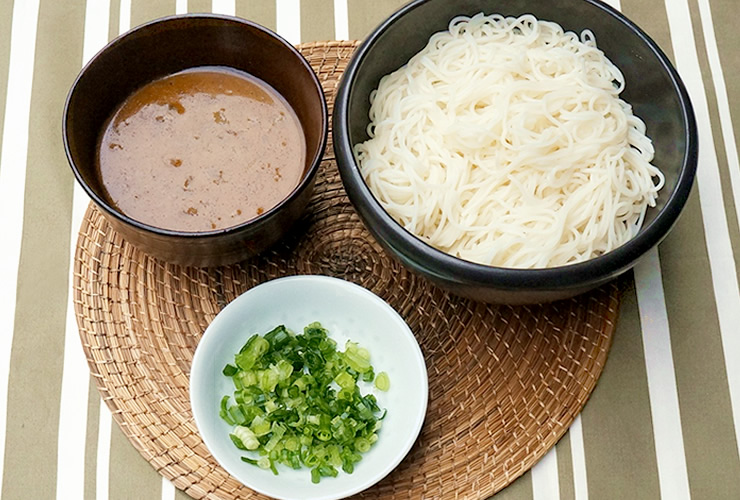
(382, 381)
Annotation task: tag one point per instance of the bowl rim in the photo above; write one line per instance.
(415, 426)
(308, 174)
(450, 268)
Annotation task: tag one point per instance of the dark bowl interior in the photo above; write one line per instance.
(169, 45)
(653, 87)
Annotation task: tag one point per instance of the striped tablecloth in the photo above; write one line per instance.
(664, 420)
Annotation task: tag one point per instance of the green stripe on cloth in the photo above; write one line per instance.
(181, 495)
(317, 20)
(34, 383)
(91, 440)
(199, 5)
(260, 11)
(115, 17)
(521, 489)
(651, 18)
(728, 40)
(565, 468)
(364, 16)
(130, 475)
(617, 430)
(6, 16)
(143, 11)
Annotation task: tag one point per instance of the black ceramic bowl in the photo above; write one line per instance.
(164, 47)
(652, 86)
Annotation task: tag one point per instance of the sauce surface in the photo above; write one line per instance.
(204, 149)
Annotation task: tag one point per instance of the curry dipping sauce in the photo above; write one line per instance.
(200, 150)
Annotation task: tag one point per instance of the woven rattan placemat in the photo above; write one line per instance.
(504, 382)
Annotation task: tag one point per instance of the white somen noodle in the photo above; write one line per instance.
(504, 142)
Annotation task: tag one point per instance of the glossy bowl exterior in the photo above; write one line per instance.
(169, 45)
(653, 87)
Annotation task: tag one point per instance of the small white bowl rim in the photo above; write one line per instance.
(414, 430)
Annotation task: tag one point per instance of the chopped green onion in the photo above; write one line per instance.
(278, 337)
(224, 413)
(246, 437)
(369, 375)
(345, 380)
(297, 402)
(382, 381)
(252, 351)
(260, 426)
(277, 434)
(327, 471)
(237, 442)
(356, 357)
(263, 463)
(362, 445)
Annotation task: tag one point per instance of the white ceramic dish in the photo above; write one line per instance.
(348, 311)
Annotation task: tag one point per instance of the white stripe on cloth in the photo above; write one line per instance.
(227, 7)
(124, 16)
(545, 484)
(288, 20)
(661, 379)
(13, 182)
(75, 375)
(714, 216)
(341, 20)
(578, 456)
(102, 471)
(168, 490)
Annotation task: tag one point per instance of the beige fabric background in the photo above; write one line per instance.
(664, 419)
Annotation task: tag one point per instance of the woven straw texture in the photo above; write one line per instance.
(504, 382)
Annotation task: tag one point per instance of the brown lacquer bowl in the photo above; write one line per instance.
(167, 46)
